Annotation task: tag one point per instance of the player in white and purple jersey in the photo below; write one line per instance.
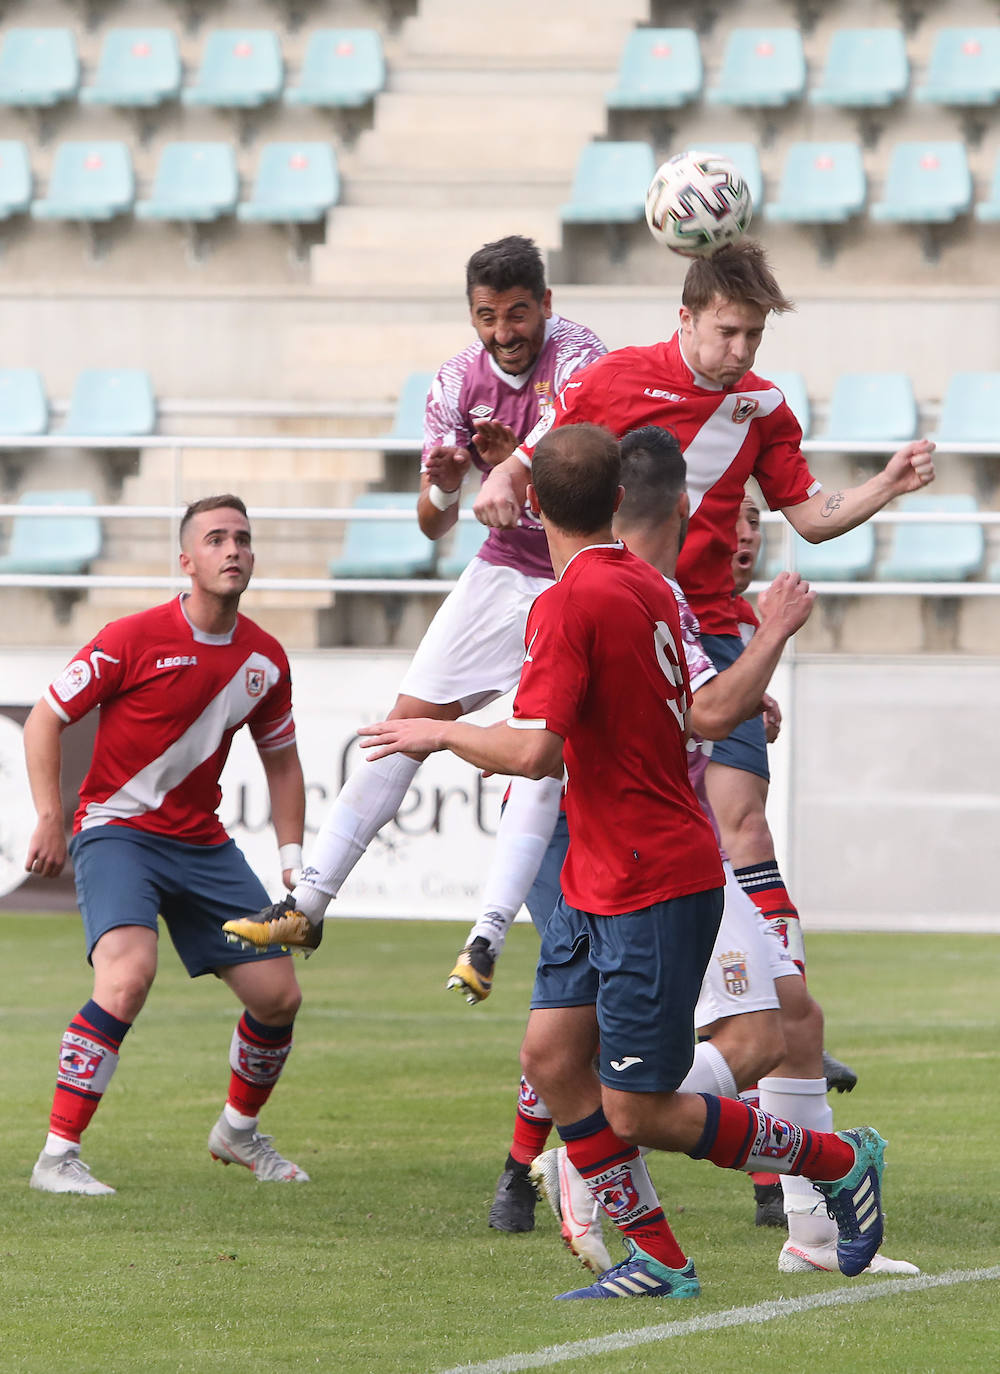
(173, 685)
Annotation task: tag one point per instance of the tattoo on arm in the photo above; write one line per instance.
(832, 504)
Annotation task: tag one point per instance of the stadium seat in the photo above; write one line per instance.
(240, 69)
(385, 548)
(38, 67)
(747, 161)
(970, 409)
(864, 69)
(876, 406)
(138, 68)
(53, 543)
(15, 178)
(927, 183)
(847, 558)
(90, 181)
(195, 183)
(296, 183)
(24, 407)
(964, 68)
(761, 67)
(660, 69)
(793, 387)
(988, 210)
(609, 185)
(821, 183)
(112, 401)
(466, 541)
(341, 69)
(408, 422)
(933, 552)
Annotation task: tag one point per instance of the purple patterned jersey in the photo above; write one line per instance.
(470, 387)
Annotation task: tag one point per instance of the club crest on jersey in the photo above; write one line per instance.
(619, 1194)
(743, 409)
(734, 972)
(543, 390)
(72, 679)
(255, 681)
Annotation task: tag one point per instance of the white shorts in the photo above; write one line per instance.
(474, 647)
(745, 961)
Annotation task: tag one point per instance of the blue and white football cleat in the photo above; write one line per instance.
(640, 1276)
(855, 1201)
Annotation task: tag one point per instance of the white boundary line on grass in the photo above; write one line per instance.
(717, 1321)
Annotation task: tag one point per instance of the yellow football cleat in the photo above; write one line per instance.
(277, 926)
(473, 971)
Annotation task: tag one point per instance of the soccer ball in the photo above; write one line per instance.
(697, 203)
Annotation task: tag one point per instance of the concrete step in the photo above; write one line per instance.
(590, 29)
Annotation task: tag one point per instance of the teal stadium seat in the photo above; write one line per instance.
(90, 180)
(988, 210)
(240, 69)
(15, 178)
(341, 69)
(848, 558)
(296, 183)
(964, 68)
(38, 67)
(875, 406)
(864, 69)
(385, 548)
(761, 67)
(24, 407)
(970, 409)
(53, 543)
(821, 183)
(792, 385)
(112, 401)
(195, 183)
(408, 422)
(934, 553)
(138, 68)
(927, 183)
(609, 185)
(746, 159)
(660, 69)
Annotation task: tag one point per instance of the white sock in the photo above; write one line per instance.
(369, 799)
(710, 1073)
(804, 1101)
(525, 829)
(237, 1120)
(59, 1145)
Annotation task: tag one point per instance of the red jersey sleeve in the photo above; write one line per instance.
(94, 675)
(271, 724)
(780, 469)
(556, 667)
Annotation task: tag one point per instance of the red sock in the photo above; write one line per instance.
(618, 1178)
(88, 1057)
(736, 1135)
(765, 887)
(256, 1056)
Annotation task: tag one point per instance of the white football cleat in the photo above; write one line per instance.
(810, 1259)
(576, 1209)
(66, 1173)
(254, 1151)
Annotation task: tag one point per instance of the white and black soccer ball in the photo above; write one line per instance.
(698, 203)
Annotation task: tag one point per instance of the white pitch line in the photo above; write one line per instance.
(717, 1321)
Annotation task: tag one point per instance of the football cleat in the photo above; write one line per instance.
(854, 1202)
(812, 1259)
(473, 971)
(278, 925)
(838, 1075)
(66, 1173)
(640, 1276)
(770, 1205)
(254, 1151)
(576, 1209)
(514, 1202)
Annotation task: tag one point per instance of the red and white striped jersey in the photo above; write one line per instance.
(171, 698)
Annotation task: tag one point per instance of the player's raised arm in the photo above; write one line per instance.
(501, 497)
(827, 514)
(43, 754)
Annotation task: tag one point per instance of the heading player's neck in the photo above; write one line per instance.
(564, 547)
(659, 546)
(210, 613)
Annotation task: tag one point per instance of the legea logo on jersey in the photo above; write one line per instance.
(178, 661)
(743, 409)
(255, 681)
(72, 679)
(656, 395)
(481, 412)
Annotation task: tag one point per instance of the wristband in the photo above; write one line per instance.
(442, 500)
(290, 857)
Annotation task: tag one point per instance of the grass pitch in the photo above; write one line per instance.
(398, 1100)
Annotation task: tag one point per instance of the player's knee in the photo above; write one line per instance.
(122, 990)
(628, 1117)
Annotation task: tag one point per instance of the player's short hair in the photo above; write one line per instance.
(225, 502)
(740, 272)
(575, 473)
(506, 264)
(654, 475)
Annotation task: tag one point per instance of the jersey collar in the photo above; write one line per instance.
(520, 381)
(589, 549)
(200, 636)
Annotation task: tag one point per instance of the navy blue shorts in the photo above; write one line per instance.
(127, 877)
(643, 972)
(546, 889)
(746, 747)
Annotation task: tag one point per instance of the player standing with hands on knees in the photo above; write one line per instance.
(173, 685)
(624, 953)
